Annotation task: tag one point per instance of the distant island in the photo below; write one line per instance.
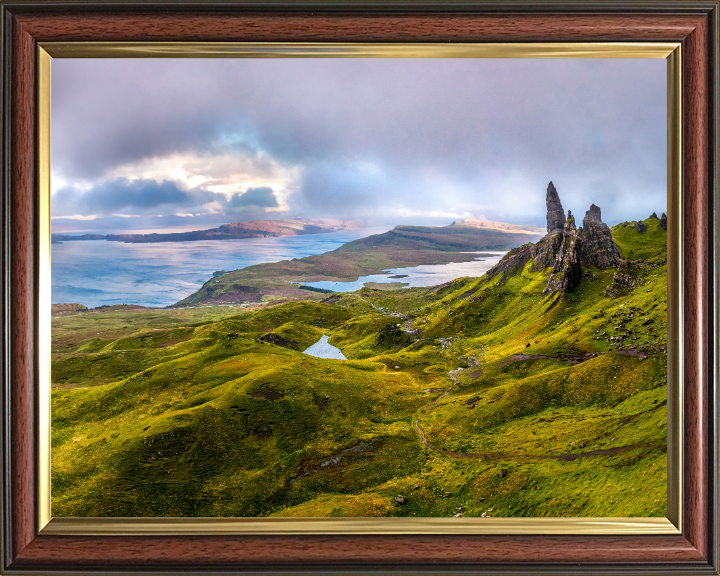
(250, 229)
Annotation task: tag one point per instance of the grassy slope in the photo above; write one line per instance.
(219, 423)
(79, 342)
(403, 246)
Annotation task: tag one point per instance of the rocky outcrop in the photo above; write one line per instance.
(663, 221)
(625, 279)
(597, 247)
(555, 212)
(567, 271)
(278, 340)
(567, 248)
(393, 335)
(545, 251)
(654, 216)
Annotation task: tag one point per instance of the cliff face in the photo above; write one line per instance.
(597, 245)
(567, 271)
(545, 251)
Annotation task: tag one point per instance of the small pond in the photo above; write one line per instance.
(321, 349)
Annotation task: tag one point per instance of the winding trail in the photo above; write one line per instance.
(370, 303)
(434, 402)
(454, 376)
(408, 320)
(503, 456)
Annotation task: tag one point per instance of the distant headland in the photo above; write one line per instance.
(236, 230)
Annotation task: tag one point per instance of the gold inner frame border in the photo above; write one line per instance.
(671, 524)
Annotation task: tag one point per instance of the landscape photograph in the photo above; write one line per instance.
(329, 287)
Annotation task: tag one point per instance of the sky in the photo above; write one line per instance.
(181, 144)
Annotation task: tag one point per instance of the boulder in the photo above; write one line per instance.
(663, 221)
(641, 226)
(625, 279)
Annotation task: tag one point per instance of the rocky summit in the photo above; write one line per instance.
(592, 215)
(565, 248)
(591, 245)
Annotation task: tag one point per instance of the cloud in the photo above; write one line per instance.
(328, 188)
(256, 197)
(121, 196)
(364, 137)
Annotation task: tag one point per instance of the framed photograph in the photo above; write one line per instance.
(359, 288)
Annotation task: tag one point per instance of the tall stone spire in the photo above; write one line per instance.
(555, 212)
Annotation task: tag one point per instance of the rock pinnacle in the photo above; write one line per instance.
(592, 215)
(555, 212)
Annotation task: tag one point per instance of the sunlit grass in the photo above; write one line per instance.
(193, 412)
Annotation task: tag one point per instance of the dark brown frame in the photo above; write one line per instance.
(694, 23)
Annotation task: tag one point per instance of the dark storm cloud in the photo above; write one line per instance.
(376, 137)
(123, 196)
(262, 197)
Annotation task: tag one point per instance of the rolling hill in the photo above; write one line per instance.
(539, 389)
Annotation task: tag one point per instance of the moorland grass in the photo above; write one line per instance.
(530, 404)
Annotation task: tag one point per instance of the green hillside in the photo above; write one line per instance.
(482, 397)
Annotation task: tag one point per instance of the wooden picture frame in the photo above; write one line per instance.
(27, 24)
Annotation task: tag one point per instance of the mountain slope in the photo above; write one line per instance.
(480, 397)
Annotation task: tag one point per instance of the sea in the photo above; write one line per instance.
(97, 272)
